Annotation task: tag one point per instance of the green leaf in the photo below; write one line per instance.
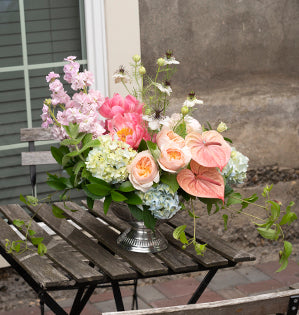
(149, 220)
(107, 203)
(192, 215)
(126, 186)
(94, 180)
(32, 200)
(36, 240)
(225, 218)
(170, 180)
(87, 138)
(18, 223)
(183, 238)
(99, 189)
(288, 218)
(90, 202)
(275, 209)
(234, 198)
(181, 129)
(142, 146)
(72, 130)
(57, 154)
(58, 213)
(118, 197)
(268, 233)
(153, 147)
(41, 249)
(200, 248)
(23, 199)
(16, 246)
(136, 212)
(178, 231)
(56, 184)
(227, 139)
(285, 254)
(133, 199)
(288, 208)
(80, 164)
(69, 142)
(31, 232)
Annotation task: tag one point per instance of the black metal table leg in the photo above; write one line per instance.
(203, 285)
(117, 296)
(81, 300)
(135, 300)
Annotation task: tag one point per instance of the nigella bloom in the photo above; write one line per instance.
(121, 75)
(169, 58)
(164, 88)
(191, 100)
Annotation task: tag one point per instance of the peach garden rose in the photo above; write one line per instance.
(143, 171)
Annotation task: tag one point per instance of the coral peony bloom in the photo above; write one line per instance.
(119, 105)
(128, 128)
(167, 136)
(173, 158)
(143, 171)
(200, 181)
(209, 149)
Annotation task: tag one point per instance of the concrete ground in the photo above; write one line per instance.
(245, 280)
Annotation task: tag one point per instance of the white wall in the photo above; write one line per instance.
(122, 37)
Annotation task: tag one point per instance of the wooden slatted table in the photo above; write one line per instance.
(83, 254)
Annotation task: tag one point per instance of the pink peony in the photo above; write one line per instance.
(143, 171)
(128, 128)
(119, 105)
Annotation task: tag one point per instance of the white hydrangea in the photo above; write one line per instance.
(161, 201)
(236, 168)
(109, 160)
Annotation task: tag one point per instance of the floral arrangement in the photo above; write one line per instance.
(129, 150)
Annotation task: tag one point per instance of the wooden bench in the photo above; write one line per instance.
(83, 253)
(285, 302)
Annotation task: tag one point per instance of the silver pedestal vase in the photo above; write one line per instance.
(138, 238)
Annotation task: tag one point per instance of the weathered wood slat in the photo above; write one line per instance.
(217, 244)
(147, 265)
(174, 258)
(36, 266)
(36, 134)
(208, 260)
(270, 303)
(67, 260)
(107, 262)
(37, 158)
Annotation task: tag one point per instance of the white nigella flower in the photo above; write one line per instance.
(164, 89)
(192, 102)
(170, 61)
(121, 76)
(153, 122)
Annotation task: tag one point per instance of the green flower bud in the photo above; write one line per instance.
(142, 70)
(147, 111)
(48, 101)
(185, 110)
(136, 58)
(221, 127)
(161, 62)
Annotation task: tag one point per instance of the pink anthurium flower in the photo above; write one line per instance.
(200, 181)
(209, 149)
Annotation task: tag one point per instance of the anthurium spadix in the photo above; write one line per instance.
(209, 149)
(201, 181)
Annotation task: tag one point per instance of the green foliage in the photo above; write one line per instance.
(170, 180)
(153, 147)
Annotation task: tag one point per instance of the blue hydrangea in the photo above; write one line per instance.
(236, 168)
(161, 201)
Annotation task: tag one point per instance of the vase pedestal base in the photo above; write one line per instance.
(141, 239)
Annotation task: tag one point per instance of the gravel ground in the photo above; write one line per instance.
(14, 292)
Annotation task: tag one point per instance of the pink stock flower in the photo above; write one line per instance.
(52, 76)
(143, 171)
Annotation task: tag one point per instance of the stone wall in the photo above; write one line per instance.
(242, 59)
